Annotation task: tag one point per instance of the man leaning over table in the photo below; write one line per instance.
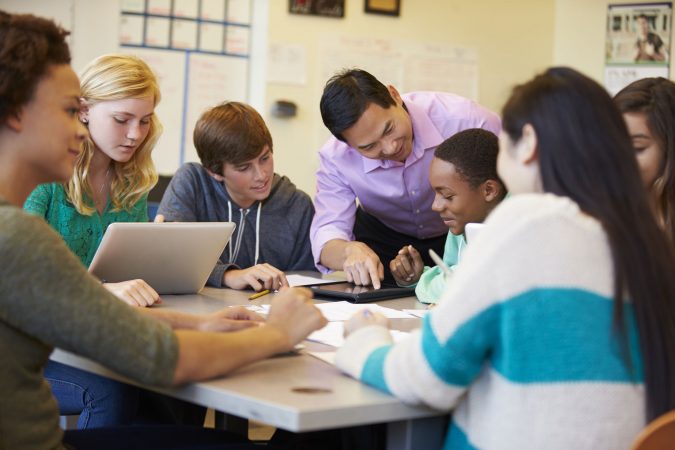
(373, 196)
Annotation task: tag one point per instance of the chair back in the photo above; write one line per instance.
(658, 434)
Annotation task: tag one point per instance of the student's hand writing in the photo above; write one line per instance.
(259, 277)
(293, 313)
(230, 319)
(362, 266)
(363, 319)
(407, 267)
(134, 292)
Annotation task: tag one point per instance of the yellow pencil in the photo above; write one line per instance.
(259, 294)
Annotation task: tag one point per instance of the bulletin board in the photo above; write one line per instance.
(199, 50)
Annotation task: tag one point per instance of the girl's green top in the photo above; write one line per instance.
(82, 233)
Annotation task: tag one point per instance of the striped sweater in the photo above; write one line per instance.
(521, 346)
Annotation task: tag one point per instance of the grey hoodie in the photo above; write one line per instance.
(285, 217)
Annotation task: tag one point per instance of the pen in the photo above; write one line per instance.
(259, 294)
(439, 262)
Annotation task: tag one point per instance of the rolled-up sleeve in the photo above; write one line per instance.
(335, 204)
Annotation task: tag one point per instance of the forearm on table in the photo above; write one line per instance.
(177, 320)
(203, 356)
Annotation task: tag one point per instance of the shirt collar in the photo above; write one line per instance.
(425, 136)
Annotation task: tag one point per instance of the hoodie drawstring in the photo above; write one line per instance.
(240, 232)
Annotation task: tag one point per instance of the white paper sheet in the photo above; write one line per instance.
(341, 311)
(332, 334)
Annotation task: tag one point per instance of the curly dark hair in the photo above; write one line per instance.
(473, 152)
(29, 45)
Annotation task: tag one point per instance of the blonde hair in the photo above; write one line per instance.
(117, 77)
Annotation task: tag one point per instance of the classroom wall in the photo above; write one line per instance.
(514, 40)
(579, 37)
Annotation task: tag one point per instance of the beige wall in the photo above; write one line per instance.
(579, 38)
(514, 40)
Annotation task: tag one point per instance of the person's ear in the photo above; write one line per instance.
(491, 190)
(527, 148)
(395, 95)
(216, 176)
(15, 121)
(84, 111)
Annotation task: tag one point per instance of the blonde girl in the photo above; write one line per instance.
(114, 171)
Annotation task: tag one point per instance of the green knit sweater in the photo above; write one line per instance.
(82, 233)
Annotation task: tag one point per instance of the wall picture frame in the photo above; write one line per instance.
(384, 7)
(324, 8)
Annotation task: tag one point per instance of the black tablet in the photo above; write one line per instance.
(359, 294)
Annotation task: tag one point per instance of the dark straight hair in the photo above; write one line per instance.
(585, 154)
(655, 98)
(347, 95)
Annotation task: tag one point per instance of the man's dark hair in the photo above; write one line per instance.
(347, 95)
(473, 152)
(29, 45)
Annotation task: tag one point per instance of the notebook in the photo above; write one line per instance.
(173, 258)
(360, 294)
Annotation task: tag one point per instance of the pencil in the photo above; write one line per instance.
(439, 262)
(259, 294)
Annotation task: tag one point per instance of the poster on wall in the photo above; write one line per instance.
(638, 43)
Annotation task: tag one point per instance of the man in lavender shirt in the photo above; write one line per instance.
(373, 195)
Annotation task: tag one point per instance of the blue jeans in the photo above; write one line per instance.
(156, 438)
(100, 401)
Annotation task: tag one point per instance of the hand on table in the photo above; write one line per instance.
(258, 277)
(293, 313)
(134, 292)
(364, 318)
(407, 267)
(230, 319)
(362, 265)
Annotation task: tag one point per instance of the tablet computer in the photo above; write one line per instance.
(173, 258)
(360, 294)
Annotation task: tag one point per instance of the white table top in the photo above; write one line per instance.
(296, 392)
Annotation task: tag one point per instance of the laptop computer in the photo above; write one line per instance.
(360, 294)
(173, 258)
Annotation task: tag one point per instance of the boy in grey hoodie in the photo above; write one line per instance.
(236, 183)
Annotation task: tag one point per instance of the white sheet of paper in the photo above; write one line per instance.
(301, 280)
(340, 311)
(332, 334)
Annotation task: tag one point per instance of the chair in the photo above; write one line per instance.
(659, 434)
(155, 195)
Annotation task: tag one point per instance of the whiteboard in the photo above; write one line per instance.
(199, 51)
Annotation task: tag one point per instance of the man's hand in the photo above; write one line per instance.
(362, 265)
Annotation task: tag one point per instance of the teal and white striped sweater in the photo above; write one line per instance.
(521, 345)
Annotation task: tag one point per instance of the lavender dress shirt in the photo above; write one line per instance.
(398, 194)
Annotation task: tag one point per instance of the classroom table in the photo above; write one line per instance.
(295, 392)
